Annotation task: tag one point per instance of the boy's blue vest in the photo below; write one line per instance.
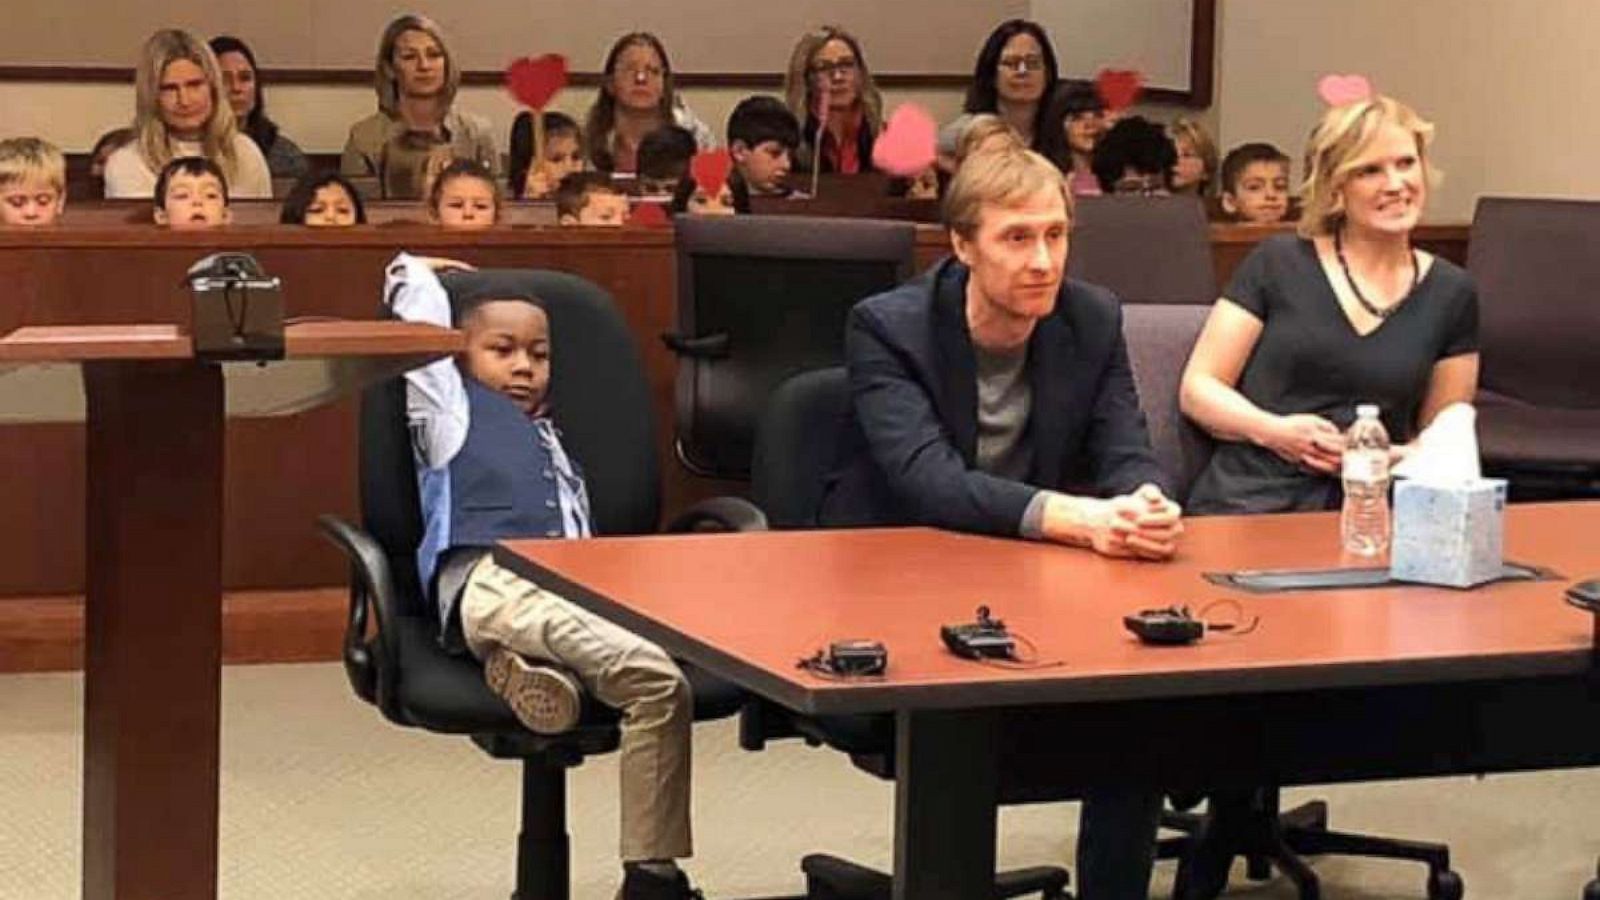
(501, 485)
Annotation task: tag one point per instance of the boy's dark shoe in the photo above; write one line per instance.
(652, 883)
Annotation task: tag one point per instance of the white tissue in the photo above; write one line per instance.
(1446, 452)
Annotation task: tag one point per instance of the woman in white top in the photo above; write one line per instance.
(179, 111)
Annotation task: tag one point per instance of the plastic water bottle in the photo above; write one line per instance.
(1364, 522)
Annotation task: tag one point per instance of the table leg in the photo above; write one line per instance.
(152, 649)
(946, 787)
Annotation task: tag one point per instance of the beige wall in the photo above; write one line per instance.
(1506, 82)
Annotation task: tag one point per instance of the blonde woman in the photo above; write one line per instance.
(181, 110)
(1196, 171)
(1347, 311)
(417, 129)
(829, 84)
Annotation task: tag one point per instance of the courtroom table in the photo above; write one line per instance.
(153, 538)
(120, 274)
(1330, 686)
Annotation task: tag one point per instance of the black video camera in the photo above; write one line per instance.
(986, 638)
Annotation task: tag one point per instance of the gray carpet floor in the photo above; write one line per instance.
(323, 799)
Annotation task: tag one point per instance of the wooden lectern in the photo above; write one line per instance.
(153, 610)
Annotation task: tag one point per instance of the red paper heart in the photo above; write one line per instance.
(647, 214)
(1337, 90)
(1118, 88)
(710, 170)
(907, 145)
(534, 80)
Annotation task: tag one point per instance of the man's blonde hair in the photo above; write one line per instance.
(28, 159)
(1336, 148)
(980, 129)
(217, 135)
(1004, 177)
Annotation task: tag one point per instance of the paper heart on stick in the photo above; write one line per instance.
(907, 145)
(647, 214)
(1118, 88)
(710, 170)
(535, 80)
(1337, 90)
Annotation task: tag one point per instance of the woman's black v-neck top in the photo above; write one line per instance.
(1310, 359)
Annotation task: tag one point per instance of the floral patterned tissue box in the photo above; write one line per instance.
(1451, 535)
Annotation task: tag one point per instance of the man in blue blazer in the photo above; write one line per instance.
(991, 395)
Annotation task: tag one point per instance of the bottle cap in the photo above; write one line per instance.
(1367, 411)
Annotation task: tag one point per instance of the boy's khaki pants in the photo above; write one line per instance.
(618, 668)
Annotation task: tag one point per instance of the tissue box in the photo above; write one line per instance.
(1448, 534)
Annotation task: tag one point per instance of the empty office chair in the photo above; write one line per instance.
(759, 299)
(391, 651)
(1144, 249)
(1538, 277)
(1160, 338)
(795, 447)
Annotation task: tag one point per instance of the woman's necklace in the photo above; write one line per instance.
(1380, 312)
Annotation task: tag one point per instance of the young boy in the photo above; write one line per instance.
(762, 137)
(536, 179)
(490, 466)
(464, 197)
(1255, 184)
(664, 156)
(590, 198)
(33, 182)
(191, 194)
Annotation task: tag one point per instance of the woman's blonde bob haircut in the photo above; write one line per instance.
(387, 80)
(797, 81)
(1007, 176)
(1339, 145)
(150, 132)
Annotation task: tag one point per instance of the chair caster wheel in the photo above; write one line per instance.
(1445, 884)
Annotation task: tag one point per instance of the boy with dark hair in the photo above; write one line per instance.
(590, 198)
(191, 193)
(664, 156)
(490, 467)
(1134, 157)
(762, 137)
(1255, 184)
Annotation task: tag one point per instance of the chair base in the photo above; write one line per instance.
(543, 850)
(1268, 840)
(832, 878)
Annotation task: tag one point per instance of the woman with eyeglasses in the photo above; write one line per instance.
(1014, 77)
(830, 89)
(636, 97)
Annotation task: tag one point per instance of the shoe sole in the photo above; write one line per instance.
(545, 700)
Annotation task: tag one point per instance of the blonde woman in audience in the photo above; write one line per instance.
(1196, 171)
(416, 125)
(181, 110)
(1346, 311)
(829, 88)
(636, 97)
(33, 182)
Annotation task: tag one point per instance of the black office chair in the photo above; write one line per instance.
(1144, 249)
(391, 650)
(759, 299)
(795, 449)
(1159, 339)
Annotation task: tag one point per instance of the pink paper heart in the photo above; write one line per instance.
(907, 145)
(1118, 88)
(647, 214)
(1337, 90)
(534, 81)
(710, 170)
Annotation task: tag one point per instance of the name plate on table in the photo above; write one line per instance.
(1451, 535)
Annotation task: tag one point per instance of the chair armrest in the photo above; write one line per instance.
(724, 513)
(371, 663)
(709, 346)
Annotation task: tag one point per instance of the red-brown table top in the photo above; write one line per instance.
(747, 606)
(322, 338)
